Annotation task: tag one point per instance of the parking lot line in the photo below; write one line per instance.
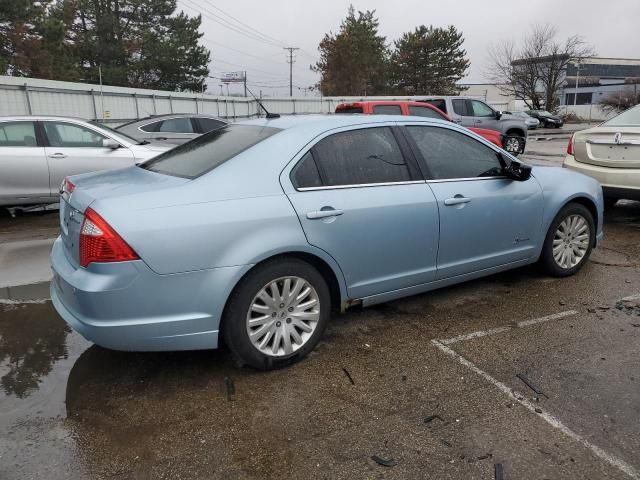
(493, 331)
(550, 419)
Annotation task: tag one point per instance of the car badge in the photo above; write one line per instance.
(617, 138)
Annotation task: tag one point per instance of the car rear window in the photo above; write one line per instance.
(203, 154)
(387, 110)
(628, 118)
(349, 110)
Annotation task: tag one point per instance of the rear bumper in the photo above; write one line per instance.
(616, 182)
(126, 306)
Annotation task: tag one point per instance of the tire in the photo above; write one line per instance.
(513, 144)
(564, 266)
(279, 319)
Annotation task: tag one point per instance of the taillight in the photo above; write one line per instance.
(67, 186)
(570, 146)
(100, 243)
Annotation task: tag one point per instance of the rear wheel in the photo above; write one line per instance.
(277, 314)
(569, 241)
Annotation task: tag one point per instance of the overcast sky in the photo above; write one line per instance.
(611, 27)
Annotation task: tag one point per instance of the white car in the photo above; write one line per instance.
(610, 153)
(37, 152)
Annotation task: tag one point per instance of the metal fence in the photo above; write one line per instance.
(117, 105)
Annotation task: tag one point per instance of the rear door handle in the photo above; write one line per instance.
(457, 200)
(57, 155)
(324, 213)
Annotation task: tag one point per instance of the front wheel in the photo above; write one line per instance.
(569, 241)
(277, 314)
(514, 144)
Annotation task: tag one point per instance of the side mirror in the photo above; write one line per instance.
(498, 115)
(110, 143)
(518, 171)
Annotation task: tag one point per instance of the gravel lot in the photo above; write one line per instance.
(515, 376)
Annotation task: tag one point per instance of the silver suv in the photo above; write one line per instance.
(37, 152)
(470, 112)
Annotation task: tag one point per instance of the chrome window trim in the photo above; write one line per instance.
(467, 179)
(358, 185)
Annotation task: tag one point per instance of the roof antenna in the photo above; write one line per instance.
(269, 115)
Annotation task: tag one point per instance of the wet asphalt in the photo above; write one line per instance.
(376, 385)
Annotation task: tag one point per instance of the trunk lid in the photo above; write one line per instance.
(615, 147)
(131, 181)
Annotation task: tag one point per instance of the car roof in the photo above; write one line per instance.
(322, 123)
(41, 117)
(172, 115)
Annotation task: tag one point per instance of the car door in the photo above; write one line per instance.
(73, 148)
(24, 175)
(176, 130)
(362, 200)
(486, 219)
(461, 114)
(483, 115)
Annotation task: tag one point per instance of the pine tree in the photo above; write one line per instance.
(429, 61)
(353, 61)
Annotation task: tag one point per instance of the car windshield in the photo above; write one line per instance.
(204, 153)
(628, 118)
(544, 113)
(117, 133)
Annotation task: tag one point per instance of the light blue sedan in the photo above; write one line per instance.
(257, 232)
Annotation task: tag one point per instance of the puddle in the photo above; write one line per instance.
(37, 351)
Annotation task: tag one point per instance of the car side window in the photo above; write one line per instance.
(387, 110)
(460, 106)
(151, 127)
(305, 174)
(364, 156)
(176, 125)
(424, 112)
(18, 134)
(450, 154)
(481, 109)
(208, 124)
(62, 134)
(439, 103)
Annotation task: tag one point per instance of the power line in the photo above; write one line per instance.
(268, 37)
(225, 23)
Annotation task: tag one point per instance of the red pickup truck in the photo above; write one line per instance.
(406, 107)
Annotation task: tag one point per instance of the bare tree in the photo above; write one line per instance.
(534, 70)
(620, 101)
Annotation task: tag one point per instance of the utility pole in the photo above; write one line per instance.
(290, 62)
(245, 83)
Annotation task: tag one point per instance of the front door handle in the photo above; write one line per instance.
(161, 138)
(57, 155)
(457, 200)
(325, 212)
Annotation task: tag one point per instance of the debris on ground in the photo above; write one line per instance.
(431, 418)
(346, 372)
(231, 389)
(531, 385)
(390, 462)
(498, 471)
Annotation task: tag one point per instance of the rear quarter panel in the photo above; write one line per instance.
(561, 186)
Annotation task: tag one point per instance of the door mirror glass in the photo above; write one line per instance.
(110, 143)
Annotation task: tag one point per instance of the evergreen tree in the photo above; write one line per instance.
(429, 61)
(353, 62)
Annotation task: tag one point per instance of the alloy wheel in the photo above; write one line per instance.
(571, 241)
(283, 316)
